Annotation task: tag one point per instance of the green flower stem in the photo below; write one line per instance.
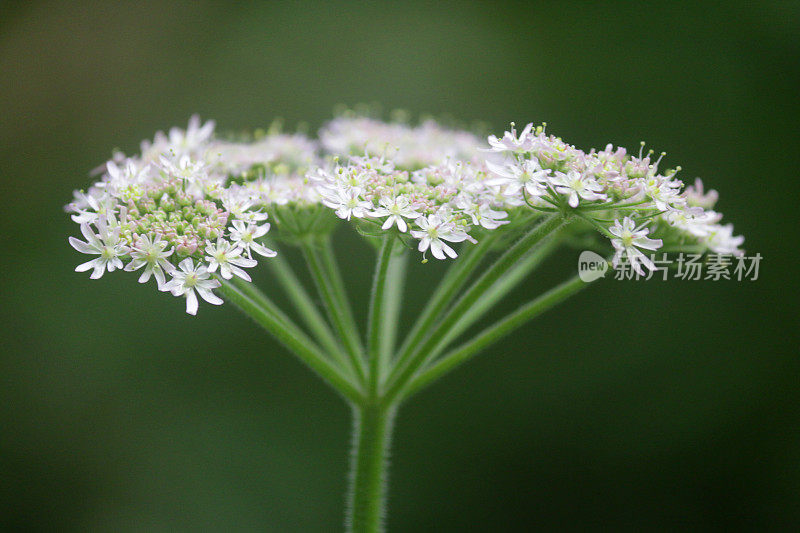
(319, 257)
(272, 319)
(599, 227)
(252, 292)
(335, 277)
(395, 281)
(306, 308)
(406, 367)
(372, 429)
(376, 324)
(502, 286)
(493, 333)
(454, 279)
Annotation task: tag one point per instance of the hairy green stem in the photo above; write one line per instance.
(372, 430)
(267, 315)
(494, 333)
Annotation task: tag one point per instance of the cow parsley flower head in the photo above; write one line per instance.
(192, 207)
(194, 211)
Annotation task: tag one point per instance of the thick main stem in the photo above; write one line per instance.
(372, 431)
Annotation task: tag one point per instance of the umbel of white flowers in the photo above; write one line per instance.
(191, 207)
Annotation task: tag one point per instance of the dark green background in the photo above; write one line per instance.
(635, 405)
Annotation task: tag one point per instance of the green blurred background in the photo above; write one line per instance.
(660, 405)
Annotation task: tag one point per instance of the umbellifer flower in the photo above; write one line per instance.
(106, 244)
(191, 195)
(194, 211)
(189, 278)
(629, 240)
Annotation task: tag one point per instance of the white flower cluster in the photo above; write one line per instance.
(193, 207)
(550, 175)
(170, 212)
(408, 146)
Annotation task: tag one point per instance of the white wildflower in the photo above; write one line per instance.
(347, 202)
(106, 244)
(511, 143)
(629, 240)
(575, 184)
(246, 233)
(228, 258)
(189, 278)
(721, 240)
(395, 209)
(151, 254)
(528, 176)
(434, 230)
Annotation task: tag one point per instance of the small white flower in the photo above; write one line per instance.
(511, 143)
(696, 196)
(528, 175)
(190, 278)
(487, 217)
(152, 255)
(179, 142)
(186, 169)
(396, 208)
(131, 175)
(246, 233)
(722, 240)
(107, 244)
(575, 185)
(434, 230)
(91, 206)
(629, 239)
(228, 258)
(346, 201)
(241, 208)
(664, 193)
(693, 220)
(481, 212)
(194, 136)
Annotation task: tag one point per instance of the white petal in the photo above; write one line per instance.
(239, 272)
(145, 277)
(99, 269)
(573, 199)
(191, 302)
(159, 275)
(436, 249)
(81, 246)
(209, 296)
(83, 267)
